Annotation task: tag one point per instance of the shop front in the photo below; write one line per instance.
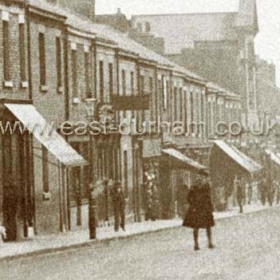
(35, 162)
(226, 164)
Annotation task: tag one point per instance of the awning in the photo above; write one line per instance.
(274, 158)
(34, 122)
(237, 156)
(190, 163)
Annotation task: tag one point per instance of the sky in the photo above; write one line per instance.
(267, 41)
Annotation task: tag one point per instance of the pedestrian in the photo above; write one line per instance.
(263, 191)
(239, 194)
(10, 207)
(277, 189)
(3, 234)
(200, 213)
(118, 200)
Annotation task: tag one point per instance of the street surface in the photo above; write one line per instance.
(247, 247)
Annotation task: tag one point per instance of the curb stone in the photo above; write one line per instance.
(91, 243)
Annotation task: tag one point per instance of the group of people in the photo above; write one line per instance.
(269, 191)
(116, 196)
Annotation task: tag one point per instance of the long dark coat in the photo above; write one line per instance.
(200, 213)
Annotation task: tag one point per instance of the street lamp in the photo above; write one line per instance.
(90, 112)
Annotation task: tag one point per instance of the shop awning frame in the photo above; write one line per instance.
(190, 163)
(35, 123)
(274, 157)
(245, 162)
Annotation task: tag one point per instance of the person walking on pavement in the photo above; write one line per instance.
(277, 190)
(239, 194)
(118, 200)
(263, 190)
(200, 213)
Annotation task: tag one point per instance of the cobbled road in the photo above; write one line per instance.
(247, 247)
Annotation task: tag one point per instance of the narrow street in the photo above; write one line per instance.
(247, 247)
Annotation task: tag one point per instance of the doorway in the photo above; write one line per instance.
(18, 203)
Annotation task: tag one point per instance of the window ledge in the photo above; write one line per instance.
(47, 196)
(76, 100)
(43, 88)
(24, 84)
(8, 84)
(60, 89)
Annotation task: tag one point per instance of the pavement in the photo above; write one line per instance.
(247, 247)
(62, 242)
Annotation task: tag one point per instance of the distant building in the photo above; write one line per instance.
(140, 34)
(267, 91)
(218, 46)
(83, 7)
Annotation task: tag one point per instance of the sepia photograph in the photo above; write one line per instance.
(140, 139)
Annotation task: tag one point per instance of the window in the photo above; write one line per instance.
(125, 159)
(22, 53)
(6, 50)
(132, 82)
(139, 26)
(87, 75)
(45, 164)
(142, 84)
(74, 73)
(181, 104)
(86, 170)
(42, 53)
(175, 103)
(192, 112)
(111, 81)
(148, 27)
(58, 63)
(165, 93)
(123, 82)
(101, 81)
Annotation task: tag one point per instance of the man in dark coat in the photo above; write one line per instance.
(118, 200)
(200, 213)
(10, 206)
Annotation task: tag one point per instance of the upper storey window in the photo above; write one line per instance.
(148, 27)
(42, 54)
(6, 46)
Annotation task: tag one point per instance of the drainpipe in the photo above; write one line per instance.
(29, 52)
(30, 139)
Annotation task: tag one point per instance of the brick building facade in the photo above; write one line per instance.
(57, 64)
